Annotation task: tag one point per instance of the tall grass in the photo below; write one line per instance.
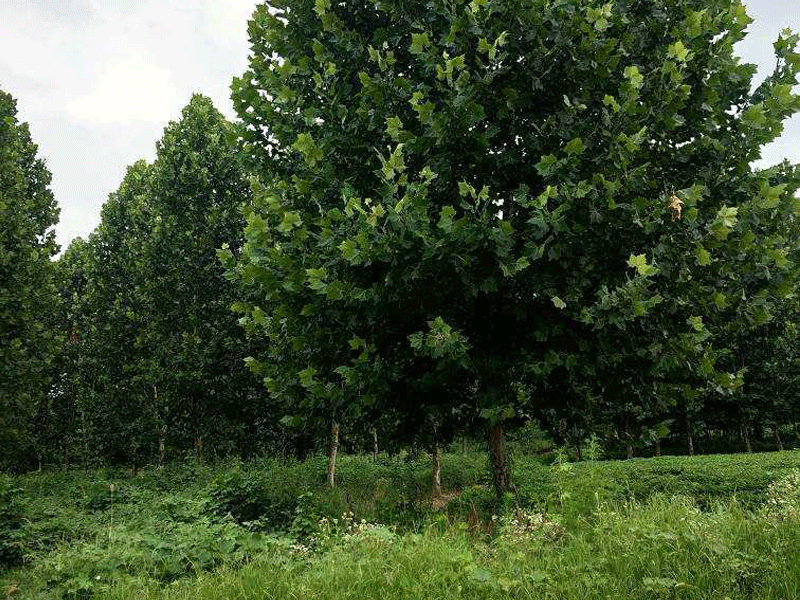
(663, 548)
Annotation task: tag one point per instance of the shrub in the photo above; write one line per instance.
(12, 534)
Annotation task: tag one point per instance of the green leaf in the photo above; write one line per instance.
(308, 148)
(545, 166)
(678, 51)
(575, 146)
(419, 42)
(634, 77)
(393, 127)
(772, 194)
(703, 256)
(349, 250)
(290, 221)
(639, 262)
(446, 218)
(754, 117)
(558, 303)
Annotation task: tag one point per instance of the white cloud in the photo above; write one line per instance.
(227, 21)
(129, 89)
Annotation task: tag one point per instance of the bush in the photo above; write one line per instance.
(12, 535)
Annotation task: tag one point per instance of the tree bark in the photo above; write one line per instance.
(501, 475)
(198, 447)
(778, 439)
(437, 470)
(85, 440)
(628, 443)
(162, 429)
(690, 442)
(374, 444)
(161, 446)
(333, 449)
(658, 447)
(746, 434)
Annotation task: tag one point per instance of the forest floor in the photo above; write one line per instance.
(720, 526)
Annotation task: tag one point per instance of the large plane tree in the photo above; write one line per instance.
(536, 195)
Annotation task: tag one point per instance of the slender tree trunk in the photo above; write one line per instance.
(746, 434)
(374, 444)
(501, 475)
(437, 470)
(690, 442)
(658, 447)
(333, 449)
(778, 440)
(628, 442)
(161, 446)
(162, 429)
(85, 440)
(198, 447)
(66, 458)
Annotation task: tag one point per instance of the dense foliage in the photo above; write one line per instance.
(457, 220)
(27, 243)
(484, 211)
(154, 361)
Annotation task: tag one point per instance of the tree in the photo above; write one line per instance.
(194, 347)
(517, 182)
(28, 213)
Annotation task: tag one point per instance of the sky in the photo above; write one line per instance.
(99, 79)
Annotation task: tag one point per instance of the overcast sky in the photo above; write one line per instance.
(99, 79)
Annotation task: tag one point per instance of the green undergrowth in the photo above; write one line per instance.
(166, 532)
(663, 548)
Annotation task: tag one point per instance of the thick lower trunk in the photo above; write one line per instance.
(658, 447)
(333, 449)
(778, 440)
(198, 447)
(628, 442)
(437, 470)
(374, 445)
(501, 475)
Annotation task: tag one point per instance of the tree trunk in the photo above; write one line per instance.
(161, 446)
(66, 458)
(437, 470)
(198, 447)
(778, 439)
(374, 445)
(628, 438)
(658, 447)
(746, 434)
(690, 442)
(85, 439)
(501, 476)
(333, 449)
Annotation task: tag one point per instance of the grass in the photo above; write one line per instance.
(674, 527)
(663, 548)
